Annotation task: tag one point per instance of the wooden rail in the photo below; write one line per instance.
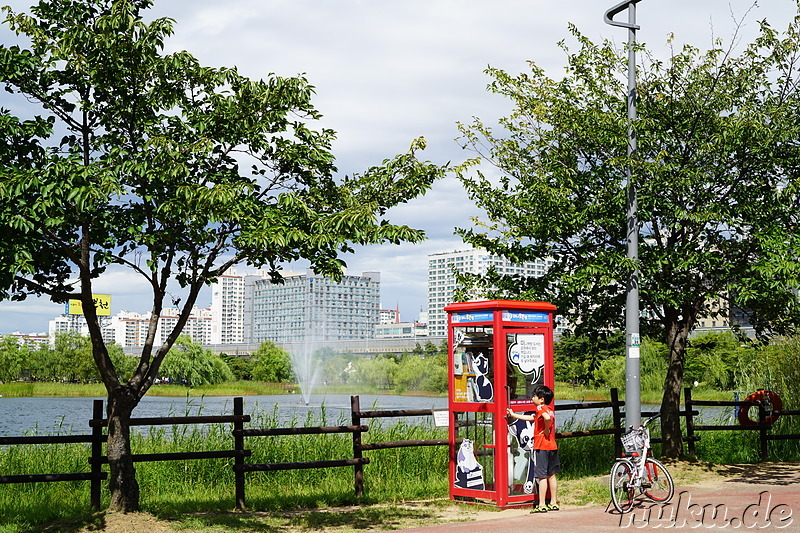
(239, 453)
(240, 468)
(762, 426)
(356, 414)
(95, 474)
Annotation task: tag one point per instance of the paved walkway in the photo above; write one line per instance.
(756, 500)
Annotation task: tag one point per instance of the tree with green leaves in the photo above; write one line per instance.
(13, 357)
(241, 366)
(151, 162)
(73, 352)
(716, 175)
(576, 358)
(192, 365)
(272, 363)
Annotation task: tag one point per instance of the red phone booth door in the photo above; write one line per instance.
(527, 368)
(473, 399)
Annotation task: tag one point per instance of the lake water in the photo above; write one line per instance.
(47, 416)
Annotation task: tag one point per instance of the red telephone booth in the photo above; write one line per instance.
(499, 351)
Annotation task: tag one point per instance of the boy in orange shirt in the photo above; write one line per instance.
(546, 463)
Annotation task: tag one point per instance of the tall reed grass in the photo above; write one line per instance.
(176, 487)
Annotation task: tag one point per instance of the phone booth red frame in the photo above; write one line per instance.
(498, 351)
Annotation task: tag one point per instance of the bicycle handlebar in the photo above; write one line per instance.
(646, 422)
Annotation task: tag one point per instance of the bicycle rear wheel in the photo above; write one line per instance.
(622, 489)
(661, 488)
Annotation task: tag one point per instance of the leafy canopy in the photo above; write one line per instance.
(716, 177)
(175, 171)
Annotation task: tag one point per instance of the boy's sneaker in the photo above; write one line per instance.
(552, 507)
(539, 509)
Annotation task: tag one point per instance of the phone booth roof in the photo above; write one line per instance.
(498, 305)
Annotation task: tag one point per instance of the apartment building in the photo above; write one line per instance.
(31, 340)
(198, 325)
(77, 324)
(724, 315)
(231, 307)
(310, 306)
(129, 329)
(389, 316)
(442, 279)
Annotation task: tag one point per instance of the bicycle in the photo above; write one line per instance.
(636, 471)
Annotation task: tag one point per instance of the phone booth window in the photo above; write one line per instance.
(526, 356)
(473, 364)
(475, 455)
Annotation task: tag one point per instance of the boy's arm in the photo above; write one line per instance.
(548, 423)
(518, 416)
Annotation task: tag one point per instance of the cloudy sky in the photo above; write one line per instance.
(387, 72)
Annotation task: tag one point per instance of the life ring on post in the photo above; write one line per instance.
(761, 396)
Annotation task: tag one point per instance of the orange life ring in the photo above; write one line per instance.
(758, 397)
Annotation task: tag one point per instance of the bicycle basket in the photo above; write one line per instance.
(635, 440)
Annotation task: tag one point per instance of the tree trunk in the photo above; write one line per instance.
(677, 335)
(123, 486)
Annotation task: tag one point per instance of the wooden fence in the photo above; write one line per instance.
(359, 447)
(96, 475)
(762, 426)
(239, 452)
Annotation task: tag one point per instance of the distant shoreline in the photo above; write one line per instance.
(564, 392)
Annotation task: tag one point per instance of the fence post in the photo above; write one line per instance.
(687, 395)
(762, 431)
(355, 409)
(95, 487)
(238, 445)
(616, 415)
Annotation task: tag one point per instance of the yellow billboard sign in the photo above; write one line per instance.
(102, 304)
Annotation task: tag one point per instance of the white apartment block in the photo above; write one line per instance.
(312, 307)
(442, 280)
(227, 309)
(389, 316)
(130, 329)
(77, 324)
(231, 307)
(31, 340)
(198, 325)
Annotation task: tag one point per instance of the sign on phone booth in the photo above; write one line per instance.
(499, 352)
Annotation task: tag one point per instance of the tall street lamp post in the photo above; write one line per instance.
(632, 367)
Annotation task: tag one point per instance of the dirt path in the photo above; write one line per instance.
(699, 487)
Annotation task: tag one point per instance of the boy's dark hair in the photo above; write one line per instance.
(545, 393)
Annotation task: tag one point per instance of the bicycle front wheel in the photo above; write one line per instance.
(622, 488)
(661, 488)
